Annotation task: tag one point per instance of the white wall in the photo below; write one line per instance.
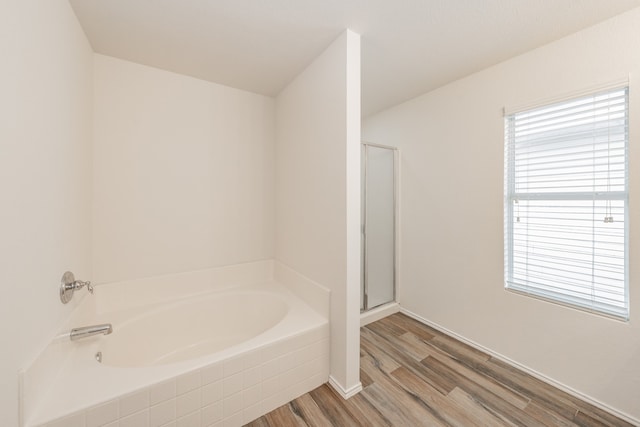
(45, 177)
(183, 173)
(317, 190)
(180, 176)
(451, 142)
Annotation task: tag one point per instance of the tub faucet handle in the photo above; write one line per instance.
(79, 284)
(69, 284)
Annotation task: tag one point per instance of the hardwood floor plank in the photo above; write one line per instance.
(477, 410)
(584, 420)
(394, 409)
(370, 347)
(365, 379)
(446, 409)
(307, 409)
(391, 347)
(601, 419)
(284, 417)
(543, 394)
(361, 409)
(376, 396)
(414, 375)
(409, 325)
(441, 380)
(403, 318)
(385, 328)
(600, 415)
(459, 350)
(548, 418)
(516, 399)
(499, 406)
(414, 346)
(333, 408)
(553, 398)
(398, 396)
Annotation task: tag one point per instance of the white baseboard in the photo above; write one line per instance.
(524, 368)
(345, 393)
(379, 313)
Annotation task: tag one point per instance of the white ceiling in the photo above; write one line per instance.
(408, 46)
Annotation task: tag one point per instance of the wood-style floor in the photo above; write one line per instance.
(414, 375)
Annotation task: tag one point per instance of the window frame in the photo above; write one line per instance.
(510, 195)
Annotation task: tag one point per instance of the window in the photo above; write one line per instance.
(566, 202)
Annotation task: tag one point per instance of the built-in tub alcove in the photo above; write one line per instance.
(220, 345)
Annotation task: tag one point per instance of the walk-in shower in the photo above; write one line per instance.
(379, 198)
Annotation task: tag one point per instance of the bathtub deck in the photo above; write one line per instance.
(230, 386)
(414, 375)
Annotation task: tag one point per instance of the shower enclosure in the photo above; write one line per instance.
(378, 226)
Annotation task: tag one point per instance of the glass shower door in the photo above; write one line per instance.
(378, 239)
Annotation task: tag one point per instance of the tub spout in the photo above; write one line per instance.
(88, 331)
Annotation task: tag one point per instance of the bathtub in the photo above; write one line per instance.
(190, 349)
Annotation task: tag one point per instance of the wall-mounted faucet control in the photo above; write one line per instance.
(69, 284)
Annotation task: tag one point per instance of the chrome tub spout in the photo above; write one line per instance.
(88, 331)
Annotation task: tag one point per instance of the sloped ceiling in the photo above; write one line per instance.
(408, 46)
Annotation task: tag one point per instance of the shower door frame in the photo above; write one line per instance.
(364, 307)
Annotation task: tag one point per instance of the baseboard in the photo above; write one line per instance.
(378, 313)
(346, 394)
(524, 368)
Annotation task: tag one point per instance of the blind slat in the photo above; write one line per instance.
(566, 173)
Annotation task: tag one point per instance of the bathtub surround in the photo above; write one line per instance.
(233, 385)
(313, 294)
(183, 175)
(45, 177)
(318, 191)
(452, 140)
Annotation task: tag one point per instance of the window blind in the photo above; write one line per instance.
(566, 202)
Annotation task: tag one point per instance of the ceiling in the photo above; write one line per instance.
(409, 47)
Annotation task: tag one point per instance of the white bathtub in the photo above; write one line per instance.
(191, 328)
(208, 355)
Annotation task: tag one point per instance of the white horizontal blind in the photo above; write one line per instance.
(566, 202)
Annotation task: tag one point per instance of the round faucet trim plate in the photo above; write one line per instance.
(67, 287)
